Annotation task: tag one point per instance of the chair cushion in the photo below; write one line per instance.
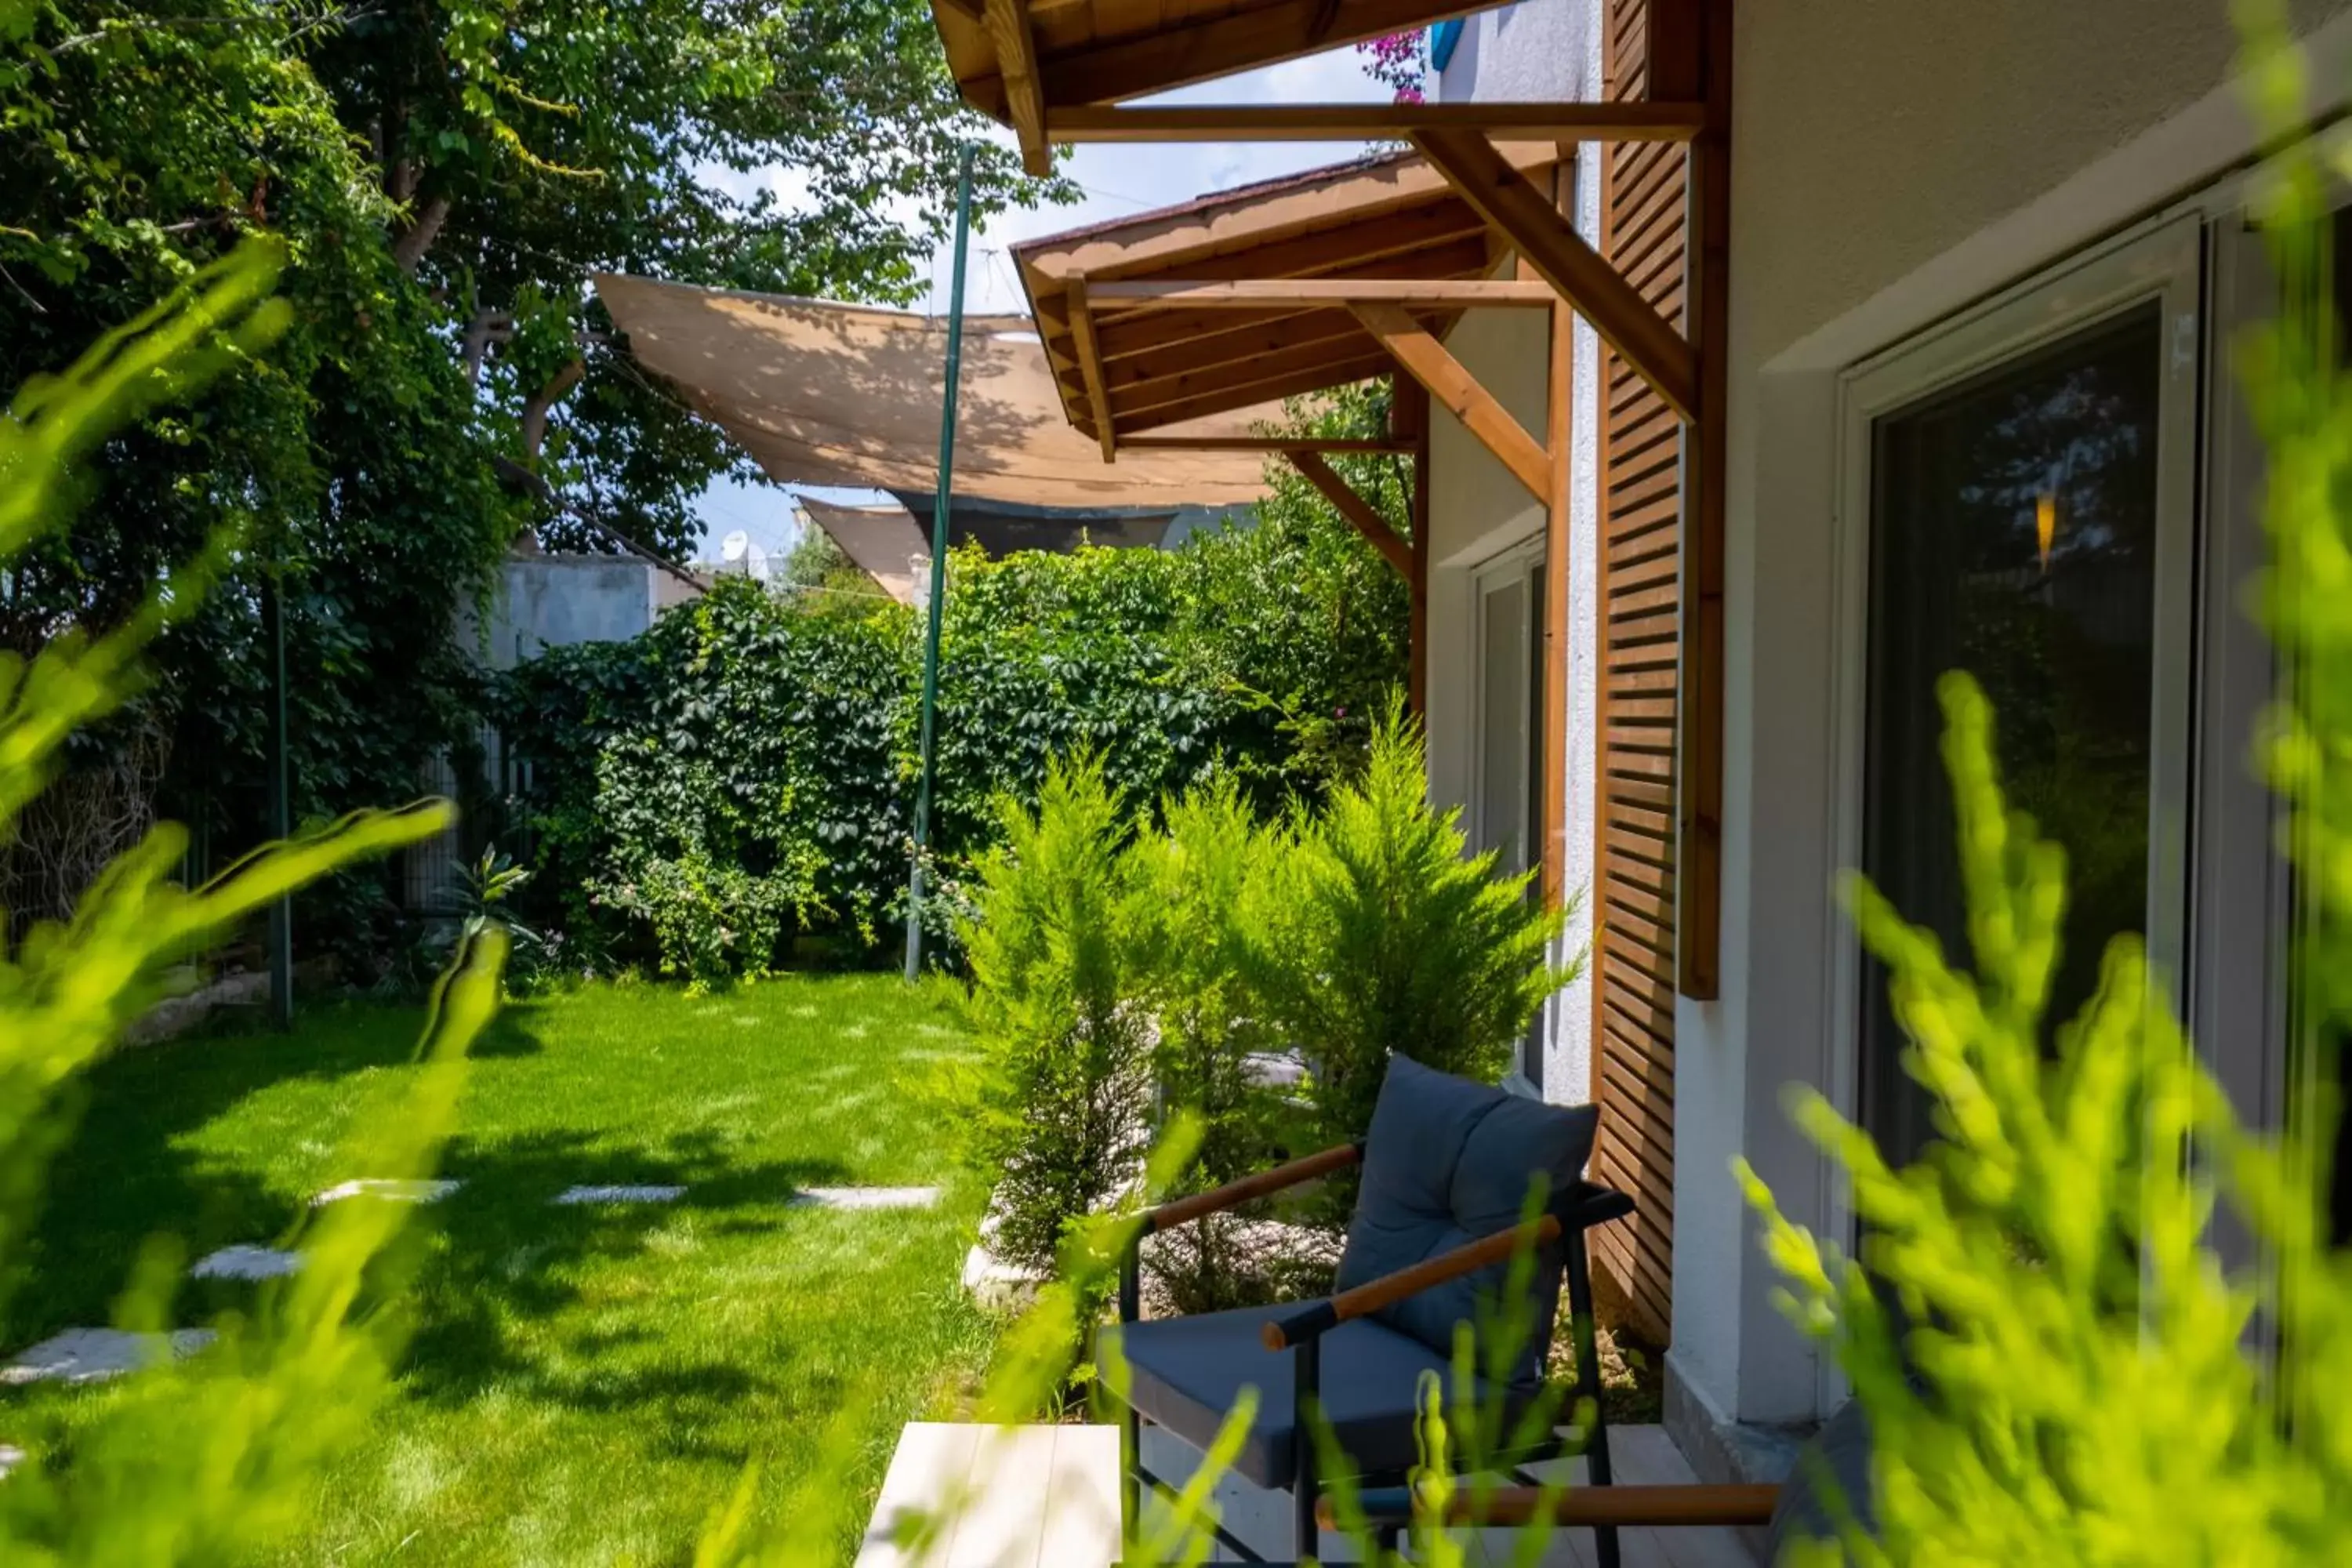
(1188, 1372)
(1446, 1161)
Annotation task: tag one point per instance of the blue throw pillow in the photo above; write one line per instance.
(1446, 1161)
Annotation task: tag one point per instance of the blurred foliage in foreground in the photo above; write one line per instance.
(2057, 1365)
(215, 1458)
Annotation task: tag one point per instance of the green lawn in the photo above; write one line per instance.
(588, 1383)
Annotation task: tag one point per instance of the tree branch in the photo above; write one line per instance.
(487, 328)
(408, 250)
(535, 412)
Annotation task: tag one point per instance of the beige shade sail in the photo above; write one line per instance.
(885, 542)
(825, 394)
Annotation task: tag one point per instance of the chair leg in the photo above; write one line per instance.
(1588, 1387)
(1306, 1400)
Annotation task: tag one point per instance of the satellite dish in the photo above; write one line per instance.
(738, 550)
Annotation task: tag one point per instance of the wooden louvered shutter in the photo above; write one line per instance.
(1642, 233)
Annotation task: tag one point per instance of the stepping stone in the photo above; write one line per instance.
(93, 1355)
(246, 1263)
(865, 1198)
(620, 1195)
(392, 1191)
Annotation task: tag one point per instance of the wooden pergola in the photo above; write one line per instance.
(1295, 286)
(1358, 272)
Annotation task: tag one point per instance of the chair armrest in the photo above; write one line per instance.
(1579, 1506)
(1321, 1317)
(1588, 1203)
(1306, 1168)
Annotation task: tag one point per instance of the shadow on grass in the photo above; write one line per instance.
(126, 1175)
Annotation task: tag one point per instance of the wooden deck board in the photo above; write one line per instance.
(1014, 1497)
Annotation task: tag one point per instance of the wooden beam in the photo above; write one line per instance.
(1444, 221)
(1428, 362)
(1268, 444)
(1243, 395)
(1691, 1503)
(1359, 512)
(1372, 121)
(1173, 57)
(1558, 440)
(1525, 217)
(1024, 94)
(1409, 401)
(1146, 332)
(1256, 294)
(1090, 367)
(1691, 42)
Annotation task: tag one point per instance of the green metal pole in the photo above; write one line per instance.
(939, 570)
(281, 808)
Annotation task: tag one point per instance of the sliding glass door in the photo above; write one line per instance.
(2029, 522)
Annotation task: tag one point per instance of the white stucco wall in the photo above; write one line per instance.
(1891, 165)
(1535, 50)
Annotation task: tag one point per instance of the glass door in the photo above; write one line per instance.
(2027, 497)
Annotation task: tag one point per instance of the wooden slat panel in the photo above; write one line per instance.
(1641, 590)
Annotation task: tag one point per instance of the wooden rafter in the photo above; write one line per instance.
(1175, 56)
(1082, 334)
(1360, 512)
(1430, 227)
(1545, 237)
(1449, 382)
(1024, 94)
(1243, 393)
(1371, 121)
(1176, 294)
(1396, 446)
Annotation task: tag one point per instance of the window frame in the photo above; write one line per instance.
(2163, 260)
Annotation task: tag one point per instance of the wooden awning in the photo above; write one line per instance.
(1054, 70)
(1260, 293)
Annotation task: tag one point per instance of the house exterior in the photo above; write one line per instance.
(1918, 358)
(1986, 264)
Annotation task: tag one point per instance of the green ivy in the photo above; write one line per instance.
(739, 779)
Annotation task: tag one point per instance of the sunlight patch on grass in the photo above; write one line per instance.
(587, 1382)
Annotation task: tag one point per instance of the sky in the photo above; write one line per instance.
(1117, 182)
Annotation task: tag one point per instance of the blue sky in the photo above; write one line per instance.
(1118, 181)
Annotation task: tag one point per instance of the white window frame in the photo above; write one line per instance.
(2161, 261)
(1516, 562)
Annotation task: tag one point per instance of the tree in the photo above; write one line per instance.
(444, 176)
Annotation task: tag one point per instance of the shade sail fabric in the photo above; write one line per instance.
(885, 542)
(824, 393)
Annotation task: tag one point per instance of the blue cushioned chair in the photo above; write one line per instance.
(1446, 1168)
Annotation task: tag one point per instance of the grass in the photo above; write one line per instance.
(586, 1383)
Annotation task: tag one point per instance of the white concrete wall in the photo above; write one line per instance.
(1891, 165)
(1535, 50)
(551, 601)
(1538, 51)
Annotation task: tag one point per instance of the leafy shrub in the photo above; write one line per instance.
(1064, 1122)
(752, 734)
(1342, 935)
(1197, 885)
(1380, 934)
